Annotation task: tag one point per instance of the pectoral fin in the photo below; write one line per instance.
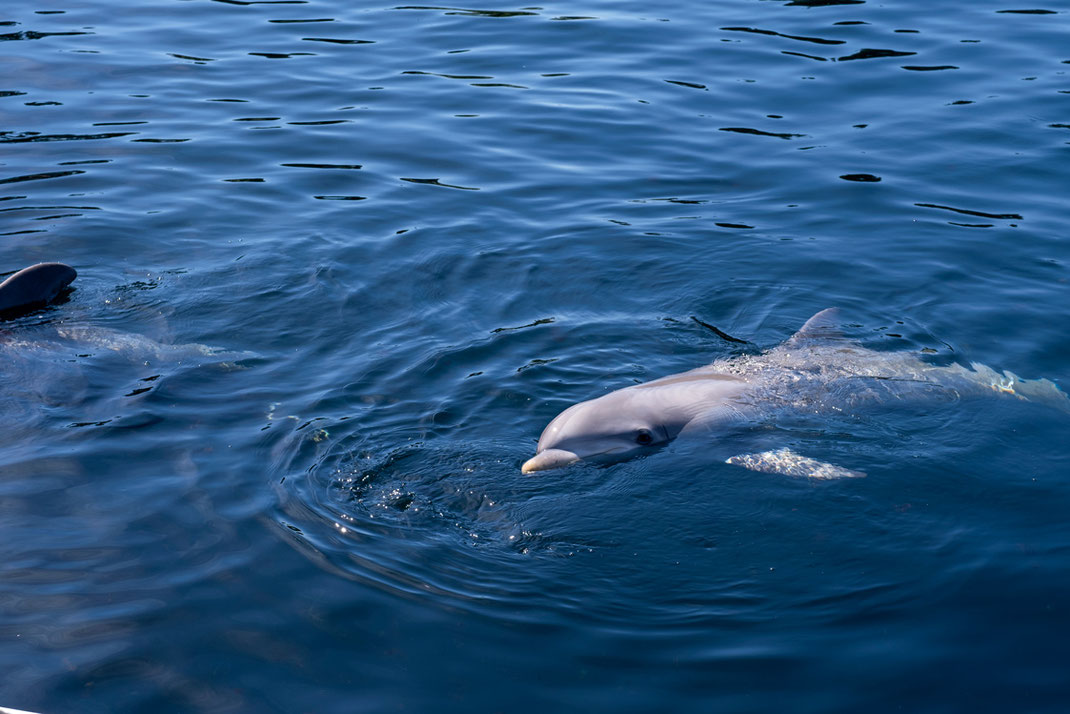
(788, 463)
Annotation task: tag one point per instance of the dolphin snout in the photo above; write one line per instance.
(549, 459)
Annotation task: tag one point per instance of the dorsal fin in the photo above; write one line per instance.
(825, 325)
(33, 287)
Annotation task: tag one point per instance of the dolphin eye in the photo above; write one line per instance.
(643, 438)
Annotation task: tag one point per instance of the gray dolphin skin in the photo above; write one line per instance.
(34, 287)
(815, 371)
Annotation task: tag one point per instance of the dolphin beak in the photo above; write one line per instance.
(549, 459)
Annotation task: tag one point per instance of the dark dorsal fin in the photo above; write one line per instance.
(33, 287)
(825, 325)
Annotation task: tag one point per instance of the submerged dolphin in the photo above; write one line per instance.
(34, 287)
(816, 370)
(52, 370)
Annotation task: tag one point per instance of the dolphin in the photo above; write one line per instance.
(58, 369)
(34, 287)
(815, 371)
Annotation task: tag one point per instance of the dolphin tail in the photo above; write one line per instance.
(1043, 391)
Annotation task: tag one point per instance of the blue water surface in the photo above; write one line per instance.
(339, 264)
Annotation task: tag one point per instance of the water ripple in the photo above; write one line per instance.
(41, 176)
(32, 136)
(815, 40)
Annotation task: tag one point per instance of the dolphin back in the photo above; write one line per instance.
(1043, 391)
(34, 287)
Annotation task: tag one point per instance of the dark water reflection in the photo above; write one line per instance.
(338, 266)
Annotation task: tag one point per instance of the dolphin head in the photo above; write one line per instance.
(629, 422)
(610, 428)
